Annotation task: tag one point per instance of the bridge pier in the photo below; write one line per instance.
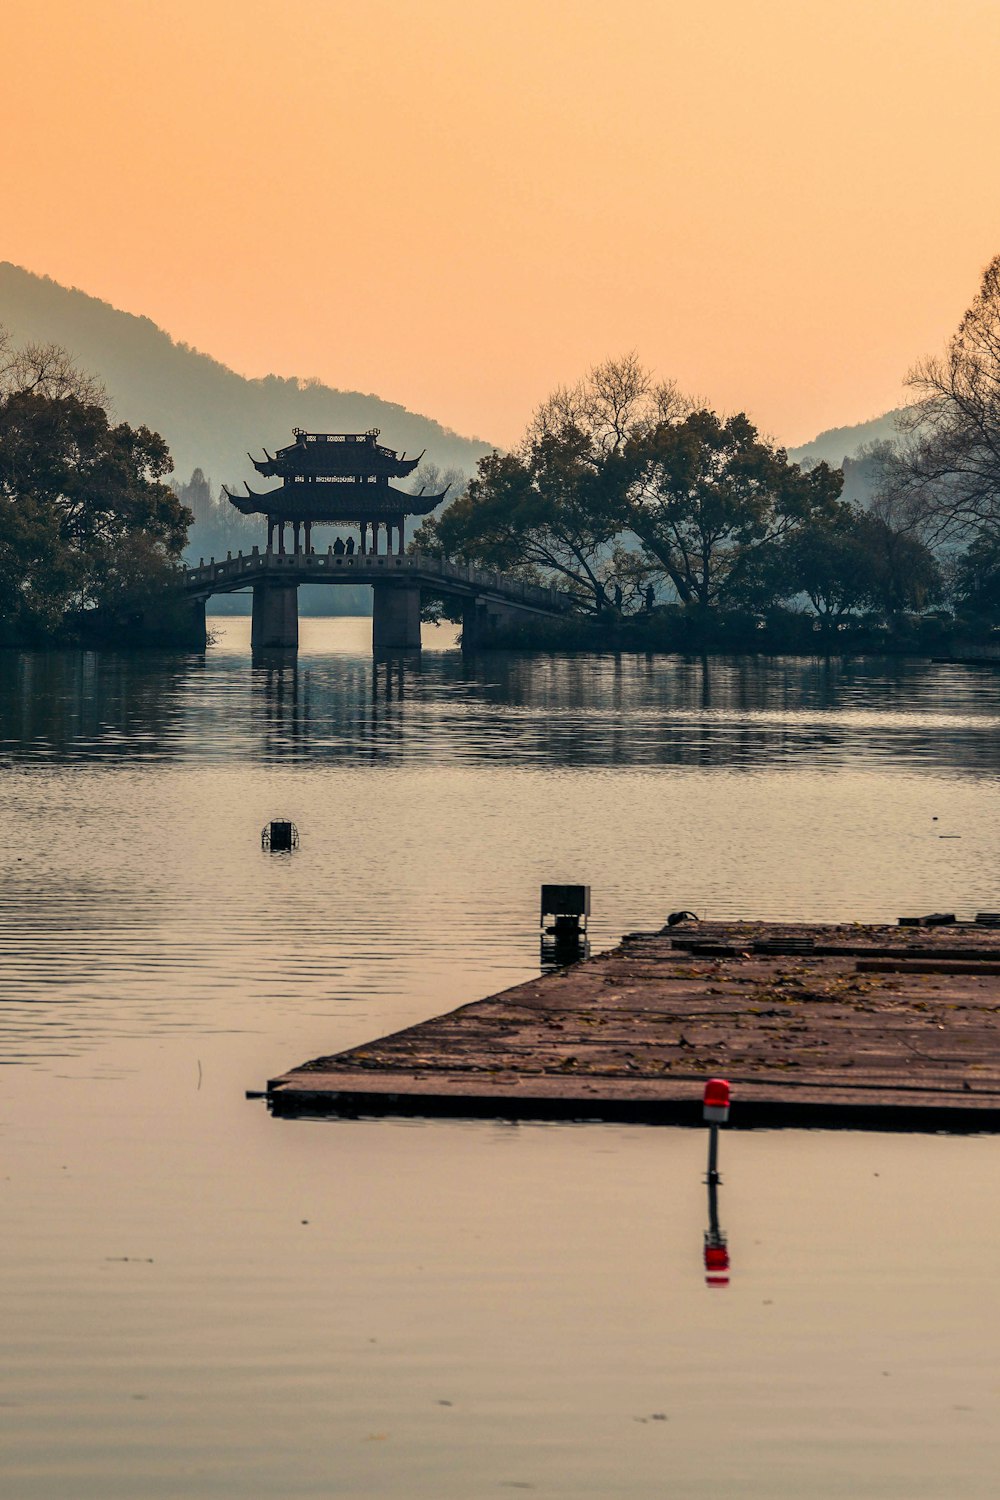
(482, 621)
(395, 617)
(493, 605)
(275, 621)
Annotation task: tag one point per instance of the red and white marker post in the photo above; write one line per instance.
(716, 1113)
(717, 1100)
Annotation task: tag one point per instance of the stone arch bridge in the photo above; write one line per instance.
(490, 601)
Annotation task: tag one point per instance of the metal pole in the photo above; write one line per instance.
(714, 1232)
(713, 1154)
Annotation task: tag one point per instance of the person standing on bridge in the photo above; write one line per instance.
(349, 546)
(338, 547)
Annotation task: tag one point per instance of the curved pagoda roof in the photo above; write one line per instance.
(347, 501)
(335, 455)
(335, 476)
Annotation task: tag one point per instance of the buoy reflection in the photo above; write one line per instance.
(716, 1113)
(716, 1248)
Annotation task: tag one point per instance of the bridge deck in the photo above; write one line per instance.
(416, 569)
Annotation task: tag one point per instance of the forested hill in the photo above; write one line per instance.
(838, 443)
(208, 414)
(839, 447)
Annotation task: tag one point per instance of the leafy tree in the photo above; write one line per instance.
(619, 479)
(826, 560)
(539, 513)
(547, 510)
(38, 577)
(708, 499)
(976, 581)
(85, 517)
(848, 559)
(521, 515)
(905, 576)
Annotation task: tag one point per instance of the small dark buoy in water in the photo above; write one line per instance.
(279, 836)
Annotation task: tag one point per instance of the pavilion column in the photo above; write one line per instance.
(297, 536)
(308, 529)
(281, 538)
(270, 533)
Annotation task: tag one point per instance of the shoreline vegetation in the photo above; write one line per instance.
(676, 633)
(663, 632)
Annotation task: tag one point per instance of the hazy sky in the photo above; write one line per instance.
(460, 204)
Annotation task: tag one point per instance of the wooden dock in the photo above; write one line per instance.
(850, 1026)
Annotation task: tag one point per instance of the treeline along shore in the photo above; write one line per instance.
(670, 527)
(677, 528)
(672, 630)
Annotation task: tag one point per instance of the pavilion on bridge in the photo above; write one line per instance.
(345, 479)
(335, 478)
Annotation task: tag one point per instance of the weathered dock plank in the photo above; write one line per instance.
(835, 1025)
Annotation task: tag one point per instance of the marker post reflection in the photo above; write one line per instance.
(716, 1113)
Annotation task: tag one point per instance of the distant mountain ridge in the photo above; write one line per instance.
(838, 443)
(209, 415)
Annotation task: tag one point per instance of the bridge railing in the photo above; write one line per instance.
(245, 565)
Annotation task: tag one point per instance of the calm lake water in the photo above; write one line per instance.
(202, 1301)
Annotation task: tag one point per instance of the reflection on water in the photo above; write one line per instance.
(716, 1110)
(544, 710)
(201, 1300)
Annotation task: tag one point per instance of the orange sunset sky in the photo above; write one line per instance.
(779, 203)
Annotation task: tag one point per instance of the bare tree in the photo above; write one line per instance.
(46, 369)
(949, 464)
(430, 476)
(614, 401)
